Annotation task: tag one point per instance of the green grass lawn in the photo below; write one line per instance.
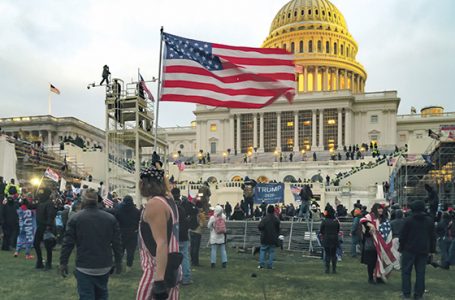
(294, 277)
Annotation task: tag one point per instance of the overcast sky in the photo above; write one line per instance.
(405, 45)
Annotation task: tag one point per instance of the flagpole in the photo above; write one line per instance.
(158, 93)
(49, 108)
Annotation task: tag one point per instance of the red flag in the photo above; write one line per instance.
(225, 76)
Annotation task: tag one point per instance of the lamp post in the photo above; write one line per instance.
(303, 155)
(229, 155)
(224, 157)
(276, 155)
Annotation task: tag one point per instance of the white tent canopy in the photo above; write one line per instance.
(8, 160)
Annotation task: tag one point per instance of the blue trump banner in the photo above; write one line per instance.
(270, 193)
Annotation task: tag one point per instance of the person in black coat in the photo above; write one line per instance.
(105, 75)
(330, 229)
(417, 241)
(128, 217)
(184, 240)
(306, 194)
(45, 220)
(2, 189)
(397, 223)
(270, 231)
(432, 199)
(248, 195)
(228, 210)
(96, 236)
(10, 223)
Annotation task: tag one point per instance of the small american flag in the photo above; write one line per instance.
(225, 76)
(51, 174)
(54, 89)
(145, 88)
(108, 202)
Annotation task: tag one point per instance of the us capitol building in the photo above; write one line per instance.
(331, 108)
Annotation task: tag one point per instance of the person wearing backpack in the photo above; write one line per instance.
(217, 226)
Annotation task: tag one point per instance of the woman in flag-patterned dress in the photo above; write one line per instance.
(158, 236)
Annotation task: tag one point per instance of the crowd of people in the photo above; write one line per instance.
(351, 152)
(169, 228)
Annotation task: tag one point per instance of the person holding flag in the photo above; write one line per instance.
(377, 251)
(27, 227)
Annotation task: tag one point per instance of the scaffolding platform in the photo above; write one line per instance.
(129, 137)
(436, 167)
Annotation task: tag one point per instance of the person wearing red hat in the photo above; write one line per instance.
(356, 231)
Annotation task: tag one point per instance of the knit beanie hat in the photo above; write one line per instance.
(418, 206)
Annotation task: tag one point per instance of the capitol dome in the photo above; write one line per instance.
(317, 33)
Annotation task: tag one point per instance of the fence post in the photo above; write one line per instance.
(244, 234)
(310, 229)
(290, 234)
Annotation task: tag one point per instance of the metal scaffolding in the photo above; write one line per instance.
(435, 167)
(129, 136)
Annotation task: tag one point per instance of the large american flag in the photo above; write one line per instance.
(387, 254)
(226, 76)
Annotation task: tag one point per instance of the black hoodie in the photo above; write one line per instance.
(127, 215)
(418, 235)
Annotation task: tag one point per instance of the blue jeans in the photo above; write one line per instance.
(354, 242)
(419, 261)
(444, 246)
(451, 253)
(304, 210)
(183, 248)
(213, 253)
(92, 287)
(271, 250)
